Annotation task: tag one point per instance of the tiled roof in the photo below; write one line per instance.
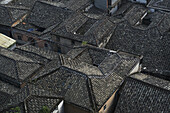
(148, 43)
(34, 97)
(45, 15)
(78, 82)
(144, 94)
(160, 4)
(13, 67)
(42, 18)
(82, 28)
(5, 17)
(11, 14)
(135, 14)
(8, 88)
(36, 54)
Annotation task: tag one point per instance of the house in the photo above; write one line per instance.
(7, 42)
(6, 91)
(80, 29)
(88, 83)
(163, 5)
(144, 94)
(69, 4)
(109, 6)
(147, 42)
(31, 99)
(16, 69)
(10, 16)
(41, 20)
(133, 13)
(36, 54)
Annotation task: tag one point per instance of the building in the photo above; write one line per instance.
(144, 94)
(16, 69)
(133, 13)
(31, 99)
(69, 4)
(7, 42)
(163, 5)
(88, 83)
(109, 6)
(147, 42)
(80, 30)
(41, 20)
(10, 16)
(36, 54)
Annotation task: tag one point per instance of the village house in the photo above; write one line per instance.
(31, 99)
(69, 4)
(36, 54)
(142, 93)
(41, 20)
(134, 13)
(6, 91)
(81, 30)
(16, 69)
(88, 83)
(140, 41)
(9, 17)
(163, 5)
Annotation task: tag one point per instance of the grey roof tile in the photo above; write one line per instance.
(144, 94)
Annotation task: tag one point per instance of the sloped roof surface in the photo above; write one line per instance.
(148, 43)
(36, 54)
(81, 80)
(5, 17)
(144, 95)
(13, 66)
(45, 15)
(82, 28)
(160, 4)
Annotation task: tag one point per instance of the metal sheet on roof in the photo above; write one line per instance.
(6, 41)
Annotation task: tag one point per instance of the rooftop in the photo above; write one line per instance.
(160, 5)
(10, 14)
(82, 28)
(42, 16)
(36, 54)
(155, 50)
(32, 98)
(6, 41)
(74, 77)
(13, 67)
(144, 92)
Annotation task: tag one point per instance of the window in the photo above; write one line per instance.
(19, 37)
(73, 42)
(146, 20)
(29, 39)
(33, 42)
(59, 49)
(105, 107)
(40, 29)
(45, 45)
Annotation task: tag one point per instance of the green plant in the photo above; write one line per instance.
(44, 109)
(16, 110)
(84, 42)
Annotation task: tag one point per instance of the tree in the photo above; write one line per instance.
(44, 109)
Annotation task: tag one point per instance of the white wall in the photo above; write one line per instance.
(114, 10)
(139, 1)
